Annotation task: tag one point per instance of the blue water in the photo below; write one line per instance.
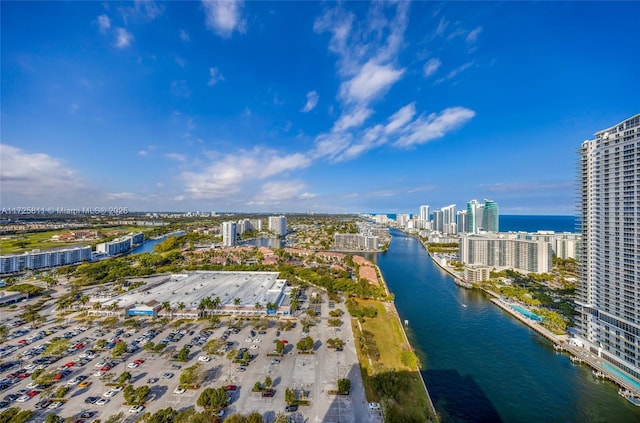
(526, 313)
(147, 246)
(537, 223)
(480, 363)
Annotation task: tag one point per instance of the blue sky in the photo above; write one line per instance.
(308, 106)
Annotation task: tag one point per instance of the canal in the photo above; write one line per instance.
(482, 365)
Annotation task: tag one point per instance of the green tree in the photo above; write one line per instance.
(279, 346)
(124, 377)
(181, 306)
(236, 302)
(254, 418)
(52, 418)
(166, 415)
(166, 306)
(236, 418)
(57, 347)
(257, 386)
(305, 344)
(119, 349)
(268, 382)
(101, 343)
(281, 418)
(4, 331)
(344, 386)
(290, 396)
(213, 399)
(61, 392)
(183, 355)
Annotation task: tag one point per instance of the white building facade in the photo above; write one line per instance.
(608, 294)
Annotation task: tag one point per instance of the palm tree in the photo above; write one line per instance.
(83, 300)
(97, 306)
(202, 306)
(216, 302)
(181, 306)
(236, 302)
(258, 306)
(166, 306)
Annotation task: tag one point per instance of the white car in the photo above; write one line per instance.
(204, 358)
(109, 394)
(30, 366)
(255, 347)
(32, 385)
(23, 398)
(54, 405)
(136, 409)
(257, 340)
(133, 365)
(179, 390)
(101, 364)
(99, 374)
(248, 340)
(102, 401)
(117, 388)
(72, 382)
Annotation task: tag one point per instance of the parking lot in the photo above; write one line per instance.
(91, 373)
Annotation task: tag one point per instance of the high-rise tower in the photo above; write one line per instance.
(608, 206)
(490, 216)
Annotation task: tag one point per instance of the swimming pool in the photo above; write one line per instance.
(621, 375)
(526, 313)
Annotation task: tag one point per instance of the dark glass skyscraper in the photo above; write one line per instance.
(490, 216)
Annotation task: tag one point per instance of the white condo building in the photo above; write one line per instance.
(278, 224)
(229, 234)
(608, 294)
(36, 259)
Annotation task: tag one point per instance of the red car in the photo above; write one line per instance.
(231, 387)
(138, 361)
(78, 346)
(22, 341)
(105, 368)
(32, 393)
(24, 375)
(70, 364)
(58, 376)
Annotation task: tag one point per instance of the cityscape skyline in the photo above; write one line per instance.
(309, 106)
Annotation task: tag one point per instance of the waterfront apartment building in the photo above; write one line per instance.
(449, 219)
(356, 242)
(564, 244)
(438, 221)
(500, 252)
(37, 259)
(229, 234)
(278, 225)
(120, 245)
(608, 206)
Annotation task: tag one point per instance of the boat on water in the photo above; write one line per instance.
(633, 400)
(629, 396)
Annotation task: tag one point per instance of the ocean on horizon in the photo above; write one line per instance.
(531, 223)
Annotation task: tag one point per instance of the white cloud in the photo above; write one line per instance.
(307, 195)
(224, 16)
(473, 35)
(442, 26)
(425, 129)
(123, 38)
(142, 11)
(184, 35)
(227, 175)
(312, 101)
(121, 196)
(214, 77)
(37, 179)
(353, 119)
(142, 153)
(276, 191)
(431, 66)
(180, 61)
(455, 72)
(104, 23)
(331, 144)
(176, 156)
(401, 118)
(371, 81)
